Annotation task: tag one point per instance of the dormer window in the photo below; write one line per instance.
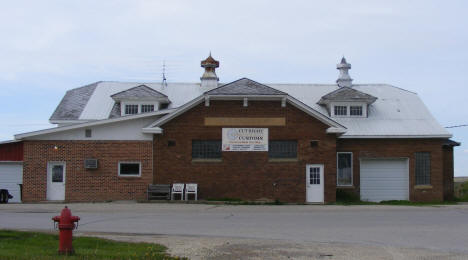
(348, 109)
(163, 106)
(139, 99)
(147, 108)
(347, 102)
(355, 110)
(131, 109)
(341, 110)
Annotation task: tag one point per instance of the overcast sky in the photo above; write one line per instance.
(48, 47)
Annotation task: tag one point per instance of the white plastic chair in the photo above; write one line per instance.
(177, 188)
(191, 188)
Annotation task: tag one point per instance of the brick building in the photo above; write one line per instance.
(246, 140)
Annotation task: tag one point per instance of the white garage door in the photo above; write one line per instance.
(11, 174)
(384, 179)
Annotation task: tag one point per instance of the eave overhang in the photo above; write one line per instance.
(89, 124)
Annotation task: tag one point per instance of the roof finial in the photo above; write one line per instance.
(343, 59)
(344, 80)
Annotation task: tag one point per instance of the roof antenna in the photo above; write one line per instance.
(164, 81)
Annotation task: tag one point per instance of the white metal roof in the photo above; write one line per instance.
(396, 113)
(100, 104)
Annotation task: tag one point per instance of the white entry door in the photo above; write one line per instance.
(314, 185)
(56, 181)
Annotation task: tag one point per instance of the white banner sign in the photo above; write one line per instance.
(245, 139)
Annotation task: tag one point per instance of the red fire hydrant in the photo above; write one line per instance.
(66, 225)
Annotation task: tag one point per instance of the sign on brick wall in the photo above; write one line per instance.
(245, 140)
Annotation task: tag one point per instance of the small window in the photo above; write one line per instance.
(131, 109)
(423, 168)
(345, 169)
(355, 110)
(57, 173)
(147, 108)
(206, 149)
(129, 168)
(314, 143)
(88, 133)
(286, 149)
(314, 175)
(341, 110)
(163, 106)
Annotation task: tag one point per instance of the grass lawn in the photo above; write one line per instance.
(32, 245)
(461, 191)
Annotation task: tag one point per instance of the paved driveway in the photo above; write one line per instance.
(442, 228)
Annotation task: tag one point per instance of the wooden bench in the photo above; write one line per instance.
(159, 191)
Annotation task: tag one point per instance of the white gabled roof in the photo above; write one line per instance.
(397, 113)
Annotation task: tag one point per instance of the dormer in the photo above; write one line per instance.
(140, 99)
(347, 102)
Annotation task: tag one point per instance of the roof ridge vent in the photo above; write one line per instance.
(344, 80)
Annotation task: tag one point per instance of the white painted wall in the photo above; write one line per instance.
(123, 130)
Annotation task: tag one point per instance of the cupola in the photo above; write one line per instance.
(209, 78)
(344, 80)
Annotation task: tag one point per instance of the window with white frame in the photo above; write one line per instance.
(355, 110)
(345, 169)
(341, 110)
(129, 169)
(348, 109)
(131, 109)
(147, 108)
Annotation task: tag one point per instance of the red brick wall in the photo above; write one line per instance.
(245, 175)
(394, 148)
(87, 185)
